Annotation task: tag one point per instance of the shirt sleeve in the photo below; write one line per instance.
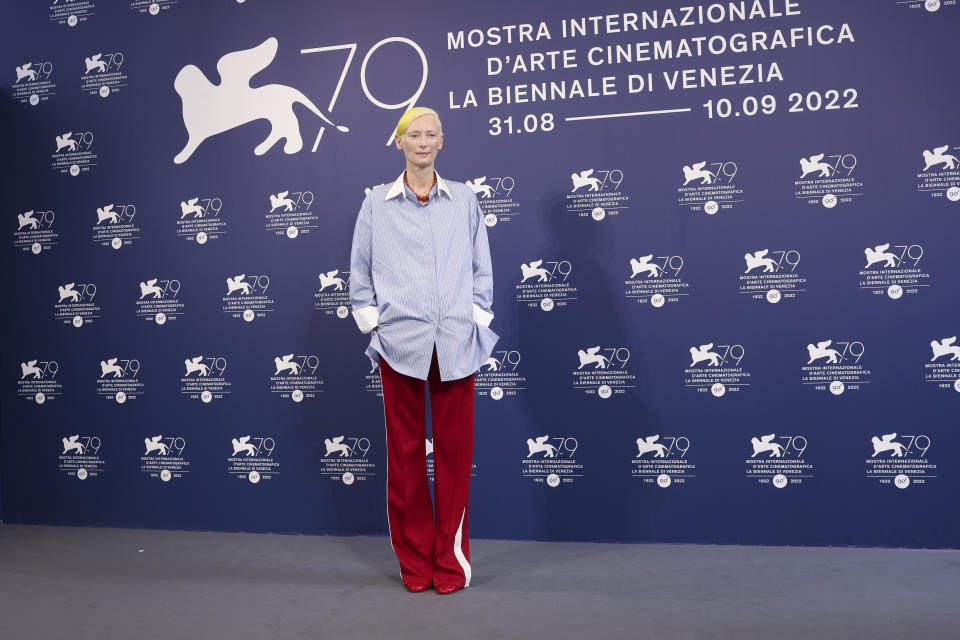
(363, 297)
(482, 268)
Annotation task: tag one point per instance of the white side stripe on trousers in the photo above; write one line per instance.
(458, 550)
(386, 441)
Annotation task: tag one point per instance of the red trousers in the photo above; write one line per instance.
(430, 550)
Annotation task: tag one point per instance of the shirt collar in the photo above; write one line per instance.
(396, 189)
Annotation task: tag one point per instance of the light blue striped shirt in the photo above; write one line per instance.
(420, 276)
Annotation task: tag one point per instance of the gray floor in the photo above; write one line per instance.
(78, 583)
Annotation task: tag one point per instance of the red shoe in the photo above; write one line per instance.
(446, 589)
(416, 588)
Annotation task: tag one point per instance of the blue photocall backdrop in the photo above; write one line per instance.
(724, 245)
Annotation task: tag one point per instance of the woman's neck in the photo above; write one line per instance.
(420, 179)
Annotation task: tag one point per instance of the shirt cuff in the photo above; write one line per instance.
(367, 318)
(480, 316)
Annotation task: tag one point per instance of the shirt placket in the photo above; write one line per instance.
(431, 229)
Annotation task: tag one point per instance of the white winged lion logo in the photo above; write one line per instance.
(209, 109)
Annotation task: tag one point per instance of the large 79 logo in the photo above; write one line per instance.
(352, 50)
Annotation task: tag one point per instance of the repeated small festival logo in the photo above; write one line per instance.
(716, 369)
(347, 459)
(71, 12)
(291, 213)
(900, 459)
(929, 6)
(152, 7)
(38, 380)
(495, 196)
(35, 231)
(551, 460)
(499, 376)
(332, 297)
(34, 83)
(603, 372)
(115, 226)
(119, 379)
(80, 456)
(835, 366)
(772, 275)
(596, 194)
(295, 377)
(253, 458)
(103, 74)
(163, 457)
(709, 187)
(663, 460)
(546, 284)
(828, 180)
(74, 153)
(431, 465)
(200, 219)
(205, 378)
(943, 367)
(940, 175)
(655, 280)
(371, 381)
(778, 460)
(159, 300)
(76, 304)
(893, 270)
(247, 297)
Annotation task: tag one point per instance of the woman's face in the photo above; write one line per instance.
(421, 141)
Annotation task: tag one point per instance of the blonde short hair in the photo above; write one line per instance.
(413, 114)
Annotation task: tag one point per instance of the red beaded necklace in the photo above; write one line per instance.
(426, 198)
